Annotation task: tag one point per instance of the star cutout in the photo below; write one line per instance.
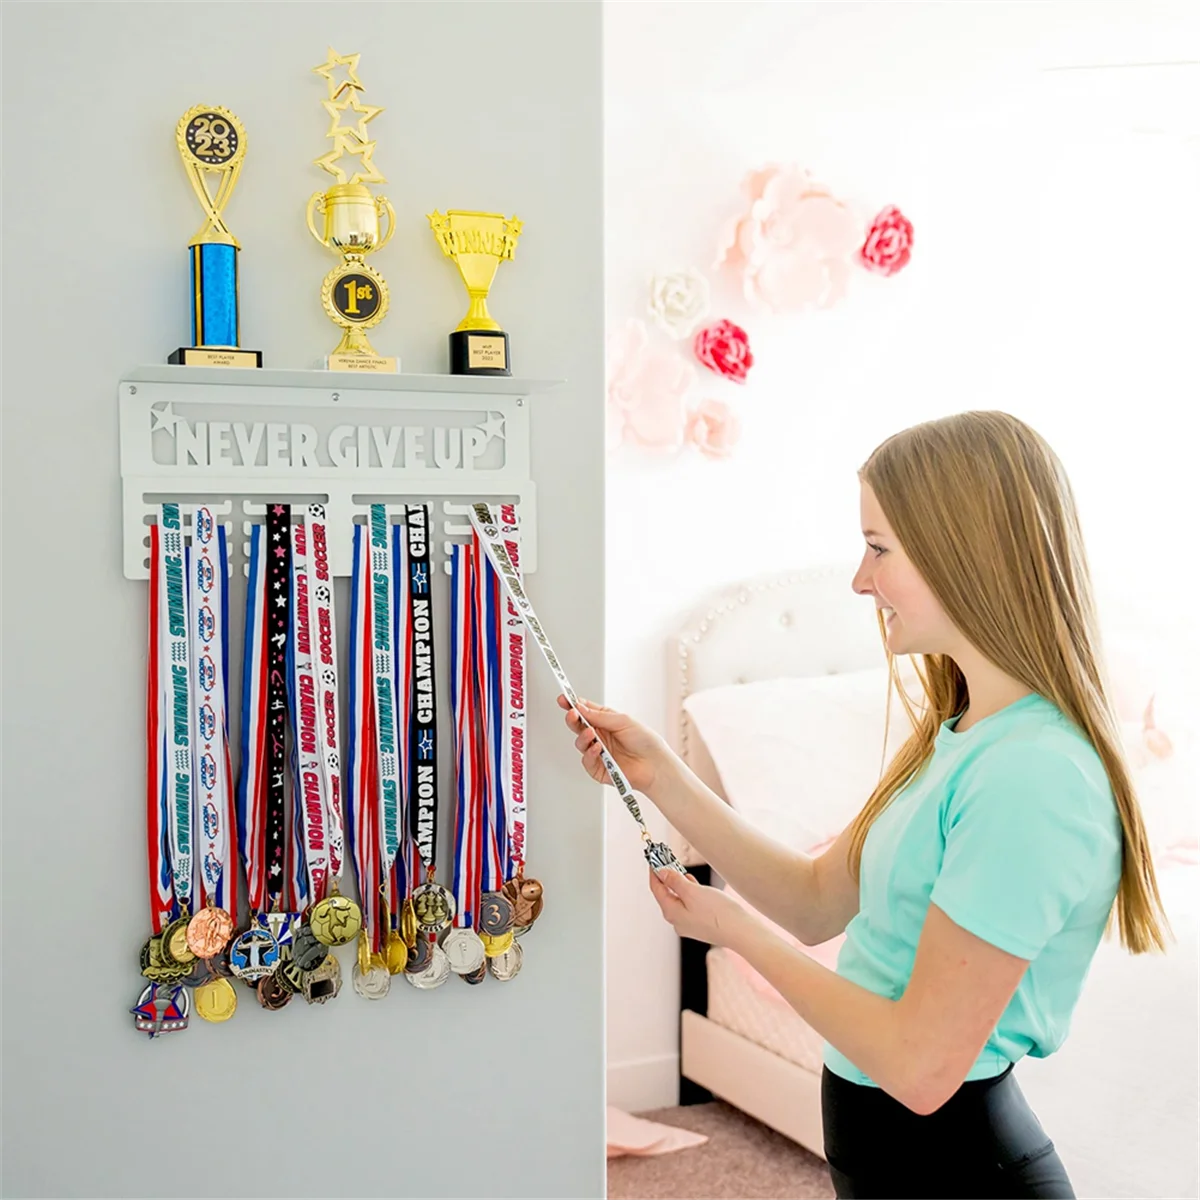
(328, 162)
(336, 111)
(163, 417)
(493, 426)
(370, 173)
(335, 60)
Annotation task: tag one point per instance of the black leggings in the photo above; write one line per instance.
(983, 1142)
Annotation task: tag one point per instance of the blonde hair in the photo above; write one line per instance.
(985, 512)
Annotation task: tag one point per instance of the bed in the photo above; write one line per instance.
(776, 688)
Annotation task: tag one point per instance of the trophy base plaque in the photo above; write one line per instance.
(362, 362)
(479, 352)
(214, 356)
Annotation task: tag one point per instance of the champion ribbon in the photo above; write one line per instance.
(468, 795)
(158, 863)
(512, 671)
(308, 773)
(177, 684)
(212, 771)
(490, 538)
(362, 807)
(423, 789)
(324, 638)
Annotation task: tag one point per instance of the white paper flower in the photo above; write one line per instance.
(679, 301)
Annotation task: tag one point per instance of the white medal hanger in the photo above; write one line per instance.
(232, 439)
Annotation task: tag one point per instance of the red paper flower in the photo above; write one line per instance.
(889, 242)
(724, 347)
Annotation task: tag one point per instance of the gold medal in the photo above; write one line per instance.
(364, 952)
(395, 954)
(216, 1000)
(175, 948)
(493, 946)
(335, 920)
(408, 923)
(151, 959)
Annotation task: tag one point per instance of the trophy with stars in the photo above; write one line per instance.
(353, 293)
(211, 141)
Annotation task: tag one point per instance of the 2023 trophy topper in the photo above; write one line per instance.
(211, 141)
(354, 293)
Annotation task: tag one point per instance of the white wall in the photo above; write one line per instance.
(461, 1092)
(1052, 276)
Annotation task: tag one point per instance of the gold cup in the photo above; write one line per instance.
(354, 294)
(478, 242)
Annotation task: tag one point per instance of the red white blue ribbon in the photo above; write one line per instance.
(251, 790)
(468, 842)
(487, 658)
(212, 770)
(158, 862)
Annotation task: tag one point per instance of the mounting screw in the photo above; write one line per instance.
(520, 402)
(336, 397)
(133, 391)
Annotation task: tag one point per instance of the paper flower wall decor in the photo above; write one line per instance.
(889, 242)
(724, 347)
(713, 428)
(646, 389)
(794, 244)
(679, 301)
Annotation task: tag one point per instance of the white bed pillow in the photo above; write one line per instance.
(799, 757)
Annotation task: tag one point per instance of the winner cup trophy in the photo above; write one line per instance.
(478, 242)
(212, 140)
(353, 293)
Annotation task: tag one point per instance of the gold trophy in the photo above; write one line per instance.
(353, 293)
(478, 242)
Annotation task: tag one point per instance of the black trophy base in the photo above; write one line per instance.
(479, 352)
(214, 356)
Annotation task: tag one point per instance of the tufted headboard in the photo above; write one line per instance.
(801, 623)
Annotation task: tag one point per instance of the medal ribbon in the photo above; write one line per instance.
(212, 770)
(324, 635)
(383, 588)
(308, 781)
(278, 621)
(162, 892)
(252, 789)
(487, 659)
(512, 670)
(423, 786)
(362, 798)
(177, 684)
(467, 841)
(398, 881)
(485, 526)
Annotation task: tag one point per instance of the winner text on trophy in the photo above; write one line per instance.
(353, 293)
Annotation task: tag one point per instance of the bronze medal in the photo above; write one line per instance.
(419, 957)
(476, 976)
(273, 993)
(209, 931)
(526, 897)
(175, 948)
(495, 914)
(336, 920)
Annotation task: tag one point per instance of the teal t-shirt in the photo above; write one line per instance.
(1012, 831)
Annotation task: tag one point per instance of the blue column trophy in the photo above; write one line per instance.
(211, 140)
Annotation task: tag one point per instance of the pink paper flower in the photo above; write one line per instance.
(725, 348)
(793, 245)
(713, 428)
(646, 390)
(889, 242)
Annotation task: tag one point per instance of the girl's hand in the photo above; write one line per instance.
(639, 751)
(704, 913)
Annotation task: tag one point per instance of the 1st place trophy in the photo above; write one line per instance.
(211, 141)
(354, 293)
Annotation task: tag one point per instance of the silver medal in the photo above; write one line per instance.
(435, 974)
(464, 951)
(374, 984)
(659, 855)
(506, 966)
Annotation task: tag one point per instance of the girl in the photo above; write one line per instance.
(975, 884)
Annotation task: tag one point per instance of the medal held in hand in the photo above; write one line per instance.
(658, 854)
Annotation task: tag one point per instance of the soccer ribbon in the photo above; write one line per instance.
(658, 854)
(308, 773)
(208, 616)
(177, 685)
(162, 892)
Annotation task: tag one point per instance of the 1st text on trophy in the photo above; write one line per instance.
(354, 293)
(211, 141)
